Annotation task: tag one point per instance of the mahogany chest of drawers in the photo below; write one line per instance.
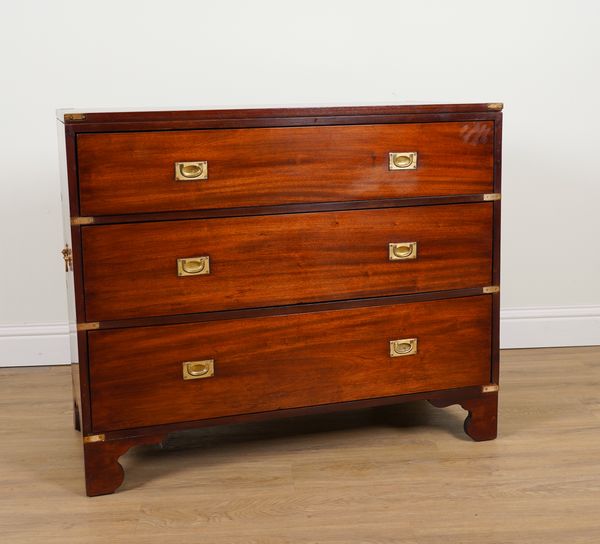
(234, 265)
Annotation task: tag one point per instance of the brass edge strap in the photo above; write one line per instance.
(77, 116)
(82, 220)
(495, 106)
(94, 438)
(490, 289)
(88, 326)
(490, 388)
(490, 197)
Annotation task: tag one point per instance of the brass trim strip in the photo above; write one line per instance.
(94, 438)
(491, 388)
(82, 220)
(491, 197)
(74, 117)
(495, 106)
(491, 289)
(88, 326)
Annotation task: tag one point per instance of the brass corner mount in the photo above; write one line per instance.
(91, 326)
(94, 438)
(82, 220)
(491, 289)
(74, 117)
(490, 388)
(491, 197)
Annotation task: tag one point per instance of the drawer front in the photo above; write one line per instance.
(133, 270)
(122, 173)
(270, 363)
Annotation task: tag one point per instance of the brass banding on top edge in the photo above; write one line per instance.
(74, 117)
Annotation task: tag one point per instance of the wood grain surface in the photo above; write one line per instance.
(270, 363)
(134, 172)
(130, 270)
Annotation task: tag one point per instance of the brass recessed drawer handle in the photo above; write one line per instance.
(403, 160)
(196, 370)
(193, 266)
(401, 348)
(402, 251)
(186, 171)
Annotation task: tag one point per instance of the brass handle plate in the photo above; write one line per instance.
(190, 171)
(193, 266)
(197, 370)
(402, 251)
(403, 347)
(403, 160)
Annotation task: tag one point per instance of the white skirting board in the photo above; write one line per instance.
(34, 344)
(48, 343)
(549, 327)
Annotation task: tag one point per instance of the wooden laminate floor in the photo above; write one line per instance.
(405, 474)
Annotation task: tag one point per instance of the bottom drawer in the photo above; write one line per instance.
(286, 361)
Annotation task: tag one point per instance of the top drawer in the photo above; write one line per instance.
(135, 172)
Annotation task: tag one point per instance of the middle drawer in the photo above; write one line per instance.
(176, 267)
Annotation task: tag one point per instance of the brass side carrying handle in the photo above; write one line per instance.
(196, 370)
(67, 254)
(403, 160)
(403, 347)
(193, 266)
(402, 251)
(187, 171)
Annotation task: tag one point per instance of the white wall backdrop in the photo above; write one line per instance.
(541, 58)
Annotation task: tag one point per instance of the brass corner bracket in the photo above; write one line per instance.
(495, 106)
(82, 220)
(491, 289)
(490, 388)
(94, 438)
(88, 326)
(74, 117)
(489, 197)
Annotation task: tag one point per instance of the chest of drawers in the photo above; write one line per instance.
(236, 265)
